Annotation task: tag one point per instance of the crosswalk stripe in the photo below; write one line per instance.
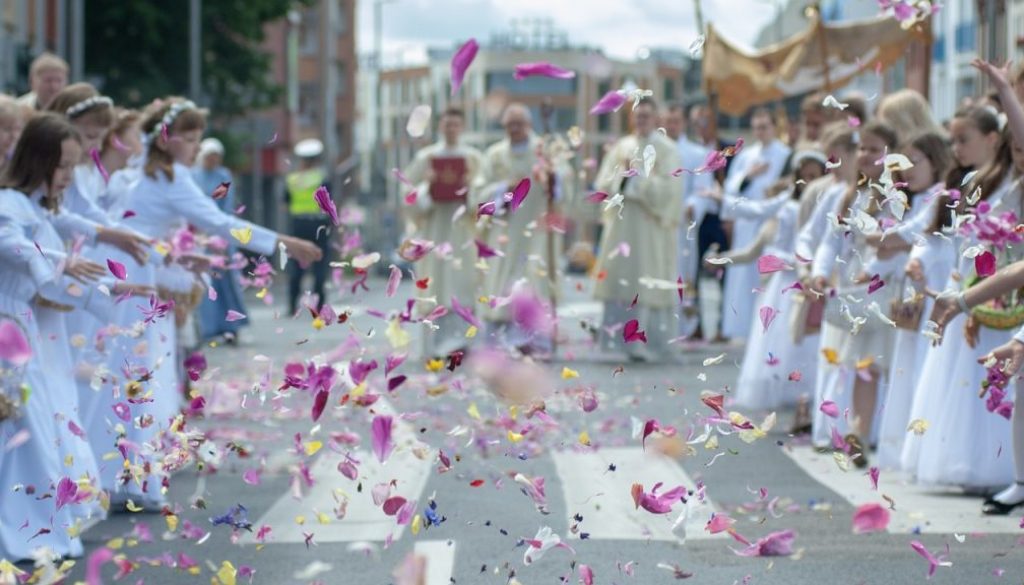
(363, 522)
(603, 496)
(440, 555)
(930, 510)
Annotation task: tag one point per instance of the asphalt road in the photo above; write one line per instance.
(483, 517)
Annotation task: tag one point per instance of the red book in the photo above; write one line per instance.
(449, 174)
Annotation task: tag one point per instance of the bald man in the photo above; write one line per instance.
(524, 236)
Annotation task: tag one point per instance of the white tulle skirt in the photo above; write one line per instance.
(29, 457)
(964, 444)
(771, 356)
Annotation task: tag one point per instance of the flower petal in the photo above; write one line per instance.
(610, 102)
(461, 61)
(381, 437)
(542, 69)
(14, 347)
(117, 269)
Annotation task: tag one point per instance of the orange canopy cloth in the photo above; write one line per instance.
(743, 80)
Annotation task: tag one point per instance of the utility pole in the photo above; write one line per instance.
(195, 88)
(77, 40)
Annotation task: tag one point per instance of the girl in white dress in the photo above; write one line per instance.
(863, 355)
(40, 166)
(976, 140)
(930, 156)
(766, 377)
(163, 202)
(965, 445)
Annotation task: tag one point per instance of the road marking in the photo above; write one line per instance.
(440, 555)
(603, 496)
(363, 521)
(932, 510)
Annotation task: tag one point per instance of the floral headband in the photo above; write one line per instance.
(88, 104)
(172, 114)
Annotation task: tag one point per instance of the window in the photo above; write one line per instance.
(529, 86)
(309, 103)
(669, 89)
(604, 121)
(965, 37)
(342, 78)
(309, 32)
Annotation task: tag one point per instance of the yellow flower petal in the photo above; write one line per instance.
(226, 575)
(318, 323)
(471, 332)
(115, 543)
(262, 293)
(584, 438)
(132, 506)
(918, 426)
(831, 355)
(300, 520)
(243, 235)
(514, 437)
(569, 374)
(172, 522)
(397, 336)
(312, 447)
(473, 411)
(437, 390)
(417, 521)
(435, 365)
(865, 363)
(323, 518)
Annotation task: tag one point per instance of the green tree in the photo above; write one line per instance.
(138, 50)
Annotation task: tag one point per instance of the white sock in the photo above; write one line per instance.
(1015, 493)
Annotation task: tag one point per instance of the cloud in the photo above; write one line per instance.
(619, 27)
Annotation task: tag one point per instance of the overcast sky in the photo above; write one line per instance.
(620, 27)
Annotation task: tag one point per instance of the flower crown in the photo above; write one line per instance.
(172, 114)
(88, 104)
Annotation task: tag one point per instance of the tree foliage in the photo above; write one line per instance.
(138, 50)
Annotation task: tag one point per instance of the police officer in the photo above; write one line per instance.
(308, 222)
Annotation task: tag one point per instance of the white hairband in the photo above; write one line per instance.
(88, 104)
(171, 115)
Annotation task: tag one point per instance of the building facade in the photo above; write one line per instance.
(489, 86)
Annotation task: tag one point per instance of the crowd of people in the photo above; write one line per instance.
(830, 239)
(108, 232)
(844, 244)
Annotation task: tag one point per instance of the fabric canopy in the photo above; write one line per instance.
(743, 80)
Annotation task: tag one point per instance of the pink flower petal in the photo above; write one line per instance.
(874, 473)
(768, 263)
(95, 154)
(485, 251)
(632, 333)
(117, 269)
(466, 313)
(381, 437)
(829, 408)
(985, 264)
(773, 545)
(122, 411)
(66, 492)
(391, 506)
(719, 523)
(767, 314)
(221, 191)
(519, 194)
(394, 279)
(870, 518)
(542, 69)
(461, 61)
(319, 403)
(610, 102)
(94, 566)
(14, 348)
(586, 575)
(251, 476)
(326, 204)
(233, 315)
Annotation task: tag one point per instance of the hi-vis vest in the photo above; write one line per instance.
(302, 185)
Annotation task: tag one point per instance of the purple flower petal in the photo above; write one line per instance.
(319, 403)
(233, 315)
(394, 279)
(767, 314)
(485, 251)
(461, 61)
(542, 69)
(519, 195)
(632, 333)
(117, 269)
(465, 312)
(95, 154)
(326, 204)
(985, 264)
(610, 102)
(381, 437)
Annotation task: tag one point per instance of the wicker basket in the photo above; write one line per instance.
(999, 318)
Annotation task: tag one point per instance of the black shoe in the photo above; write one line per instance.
(992, 507)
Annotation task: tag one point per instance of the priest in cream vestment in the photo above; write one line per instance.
(529, 240)
(638, 252)
(451, 227)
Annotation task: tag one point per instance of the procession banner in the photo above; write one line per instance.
(796, 66)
